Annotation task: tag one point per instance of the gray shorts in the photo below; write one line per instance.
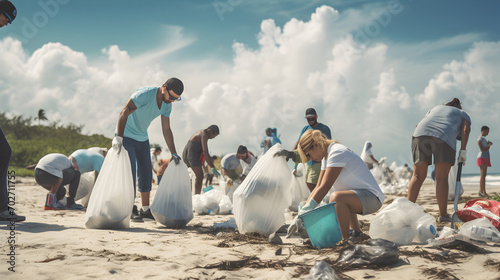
(424, 148)
(369, 201)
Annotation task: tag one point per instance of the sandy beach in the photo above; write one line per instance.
(56, 244)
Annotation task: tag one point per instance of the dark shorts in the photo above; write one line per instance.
(71, 176)
(425, 147)
(191, 154)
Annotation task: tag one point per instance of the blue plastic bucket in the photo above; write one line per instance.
(322, 226)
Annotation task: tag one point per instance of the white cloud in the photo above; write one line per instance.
(356, 89)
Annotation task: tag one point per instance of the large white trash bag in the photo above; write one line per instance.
(84, 188)
(260, 201)
(173, 204)
(300, 191)
(112, 198)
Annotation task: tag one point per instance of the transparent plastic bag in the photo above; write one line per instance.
(260, 201)
(397, 222)
(373, 252)
(112, 198)
(173, 204)
(300, 191)
(480, 229)
(225, 205)
(321, 271)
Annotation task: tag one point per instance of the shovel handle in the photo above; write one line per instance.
(459, 175)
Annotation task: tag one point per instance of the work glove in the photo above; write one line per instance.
(462, 156)
(176, 158)
(295, 227)
(215, 172)
(117, 143)
(296, 173)
(308, 207)
(285, 153)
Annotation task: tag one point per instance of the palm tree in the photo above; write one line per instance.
(41, 116)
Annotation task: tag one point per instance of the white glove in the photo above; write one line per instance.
(294, 227)
(117, 143)
(462, 156)
(308, 207)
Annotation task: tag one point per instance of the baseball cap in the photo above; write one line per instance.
(8, 10)
(310, 112)
(174, 84)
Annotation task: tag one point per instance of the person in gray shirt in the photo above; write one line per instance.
(435, 137)
(52, 172)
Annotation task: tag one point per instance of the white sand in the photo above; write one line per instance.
(56, 245)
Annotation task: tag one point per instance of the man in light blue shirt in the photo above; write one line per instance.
(141, 109)
(85, 160)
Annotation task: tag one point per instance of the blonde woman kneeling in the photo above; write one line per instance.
(355, 189)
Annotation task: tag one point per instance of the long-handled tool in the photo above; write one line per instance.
(458, 185)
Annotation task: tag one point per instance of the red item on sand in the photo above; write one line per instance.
(478, 208)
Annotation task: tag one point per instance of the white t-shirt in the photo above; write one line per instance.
(54, 164)
(355, 175)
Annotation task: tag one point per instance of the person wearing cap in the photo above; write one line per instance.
(195, 147)
(141, 109)
(8, 12)
(52, 172)
(313, 167)
(236, 166)
(87, 160)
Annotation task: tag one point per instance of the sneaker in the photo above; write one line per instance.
(146, 214)
(51, 203)
(134, 211)
(482, 194)
(72, 205)
(355, 233)
(136, 218)
(11, 216)
(444, 219)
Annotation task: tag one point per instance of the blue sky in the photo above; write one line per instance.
(371, 68)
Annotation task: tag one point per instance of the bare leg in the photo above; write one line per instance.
(198, 172)
(354, 222)
(346, 203)
(442, 170)
(145, 198)
(311, 186)
(482, 180)
(417, 179)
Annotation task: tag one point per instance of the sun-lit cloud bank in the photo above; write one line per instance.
(315, 63)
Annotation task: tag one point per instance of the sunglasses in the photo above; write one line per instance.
(311, 119)
(171, 97)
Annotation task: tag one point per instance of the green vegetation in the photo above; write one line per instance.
(29, 142)
(496, 197)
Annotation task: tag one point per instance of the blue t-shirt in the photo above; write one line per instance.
(88, 160)
(147, 110)
(443, 122)
(321, 127)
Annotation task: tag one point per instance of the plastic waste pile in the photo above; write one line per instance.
(260, 201)
(212, 202)
(403, 222)
(471, 231)
(393, 180)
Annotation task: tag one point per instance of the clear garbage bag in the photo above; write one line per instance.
(112, 197)
(398, 222)
(260, 201)
(300, 191)
(173, 204)
(452, 182)
(321, 271)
